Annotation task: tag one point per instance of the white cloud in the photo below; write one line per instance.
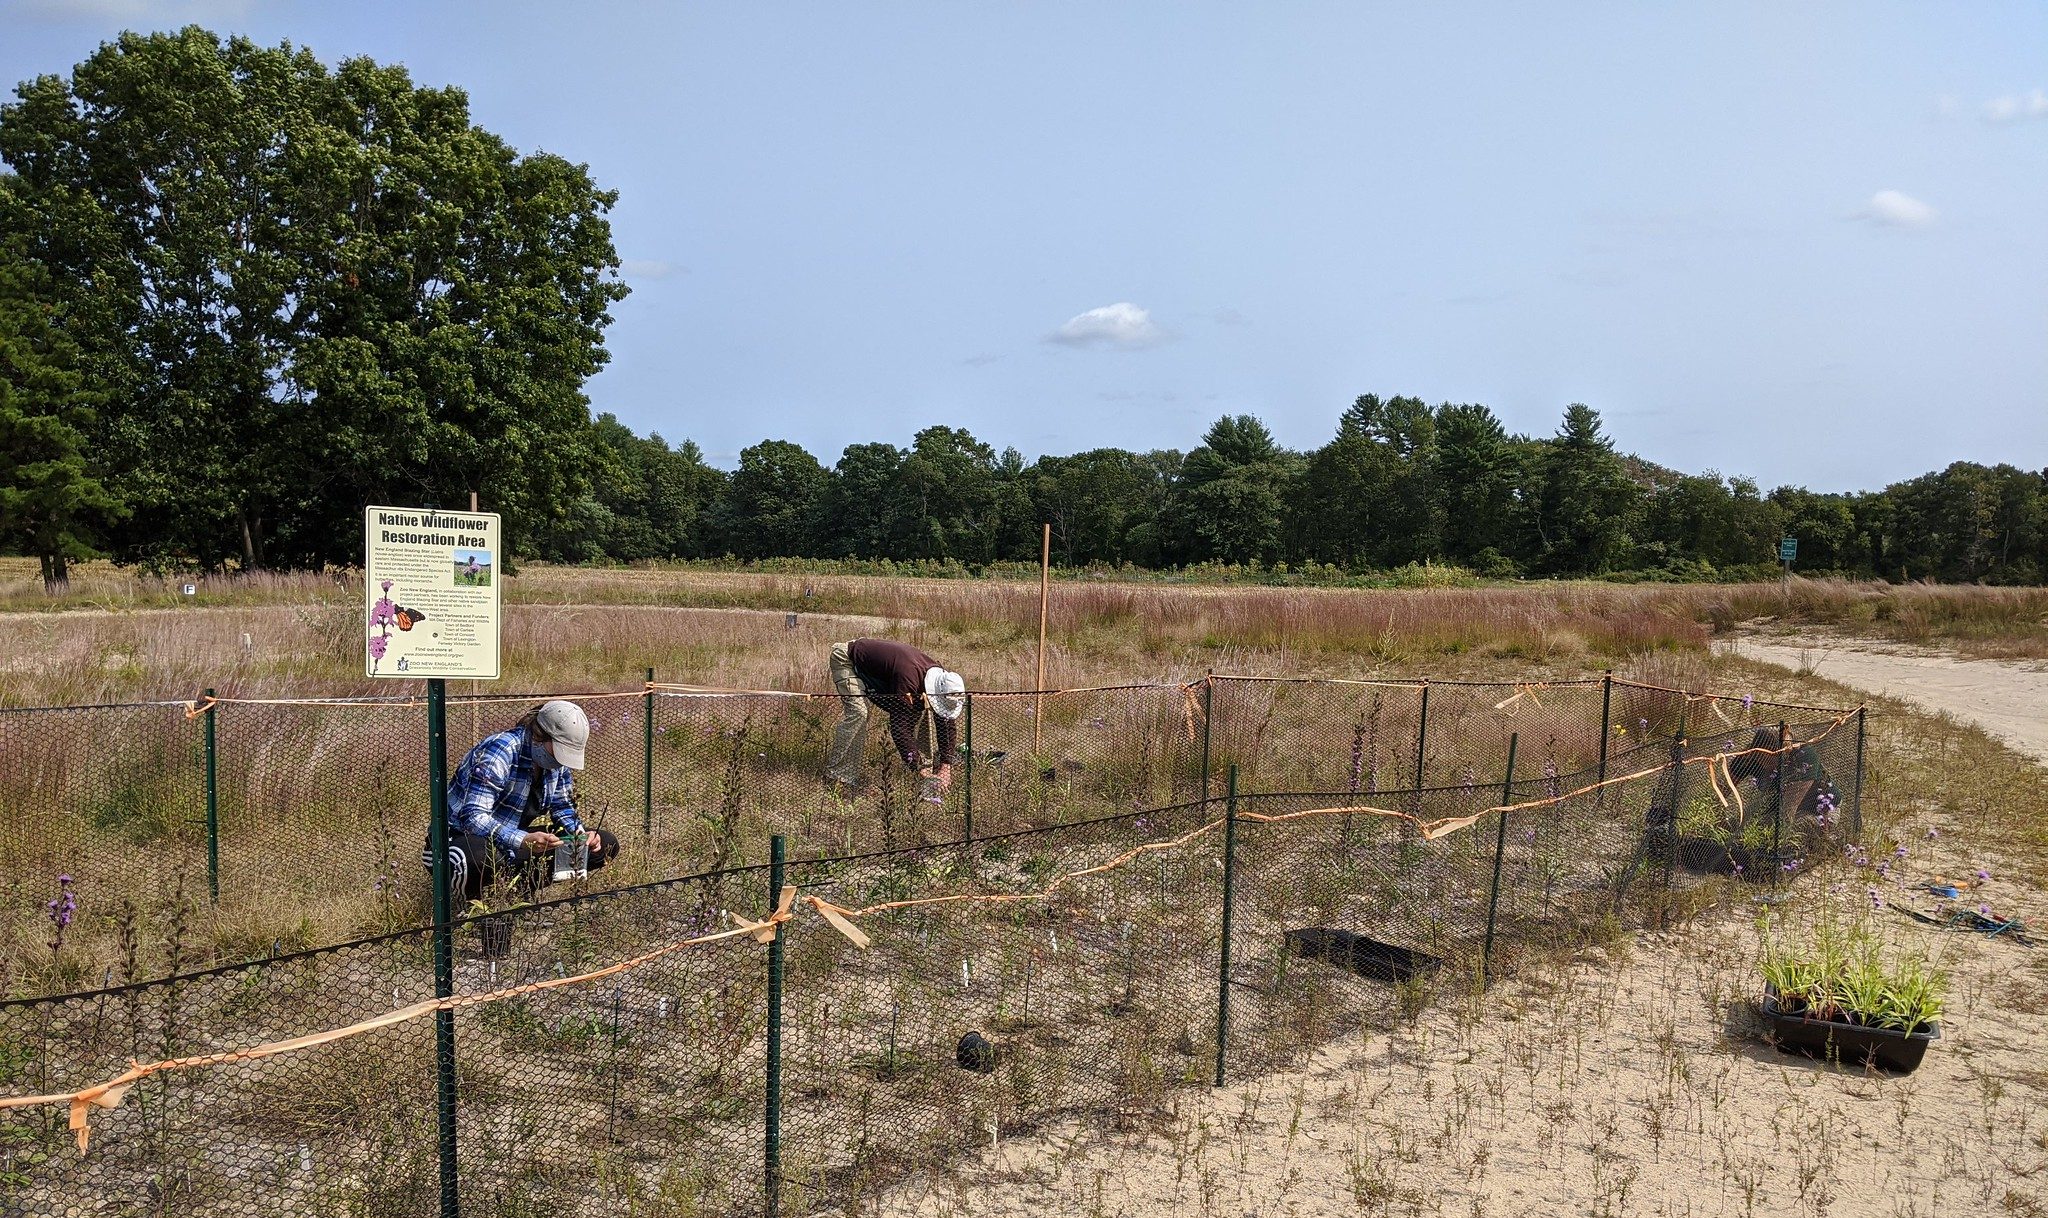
(1897, 210)
(2015, 106)
(1114, 325)
(649, 268)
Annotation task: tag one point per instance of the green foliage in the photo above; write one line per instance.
(307, 289)
(1834, 969)
(52, 503)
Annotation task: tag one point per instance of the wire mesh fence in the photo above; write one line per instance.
(1101, 931)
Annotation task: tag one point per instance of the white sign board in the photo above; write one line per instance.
(430, 592)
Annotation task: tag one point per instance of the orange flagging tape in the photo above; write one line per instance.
(110, 1093)
(200, 706)
(1522, 691)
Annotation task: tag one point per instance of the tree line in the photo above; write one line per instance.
(244, 293)
(1399, 482)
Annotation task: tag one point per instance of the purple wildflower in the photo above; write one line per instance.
(1876, 899)
(1901, 851)
(1933, 833)
(1985, 910)
(1983, 874)
(1748, 701)
(61, 910)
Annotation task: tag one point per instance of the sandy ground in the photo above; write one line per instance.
(2007, 698)
(1619, 1088)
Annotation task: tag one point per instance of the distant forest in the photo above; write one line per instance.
(1399, 482)
(244, 293)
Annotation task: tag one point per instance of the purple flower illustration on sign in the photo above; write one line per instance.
(383, 615)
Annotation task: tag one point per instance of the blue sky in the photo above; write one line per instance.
(1804, 242)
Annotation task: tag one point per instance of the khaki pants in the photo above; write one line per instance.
(843, 764)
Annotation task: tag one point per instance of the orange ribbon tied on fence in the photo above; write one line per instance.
(765, 930)
(1521, 692)
(841, 919)
(1713, 702)
(1189, 706)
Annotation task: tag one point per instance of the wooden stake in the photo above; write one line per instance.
(1044, 604)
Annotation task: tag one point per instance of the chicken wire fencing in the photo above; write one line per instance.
(1214, 934)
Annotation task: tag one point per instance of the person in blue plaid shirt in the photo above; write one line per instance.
(512, 801)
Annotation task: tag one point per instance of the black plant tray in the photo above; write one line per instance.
(1887, 1047)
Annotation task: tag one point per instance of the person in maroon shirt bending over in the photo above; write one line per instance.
(906, 683)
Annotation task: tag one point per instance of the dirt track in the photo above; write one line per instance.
(2007, 698)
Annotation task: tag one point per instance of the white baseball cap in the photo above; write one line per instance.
(567, 729)
(947, 692)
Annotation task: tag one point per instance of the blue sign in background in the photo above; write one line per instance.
(1788, 549)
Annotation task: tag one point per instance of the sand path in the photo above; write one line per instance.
(2007, 698)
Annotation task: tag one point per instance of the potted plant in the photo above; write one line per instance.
(1835, 991)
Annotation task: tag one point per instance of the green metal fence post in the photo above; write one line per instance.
(444, 948)
(1421, 743)
(967, 771)
(1856, 799)
(1778, 804)
(1500, 848)
(647, 774)
(1208, 715)
(1229, 901)
(214, 803)
(772, 1133)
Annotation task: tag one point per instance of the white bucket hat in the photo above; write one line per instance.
(567, 729)
(946, 691)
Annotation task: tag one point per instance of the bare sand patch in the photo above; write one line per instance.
(2007, 698)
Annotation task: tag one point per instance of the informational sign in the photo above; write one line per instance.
(1788, 549)
(430, 592)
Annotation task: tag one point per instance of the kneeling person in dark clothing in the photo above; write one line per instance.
(923, 702)
(512, 801)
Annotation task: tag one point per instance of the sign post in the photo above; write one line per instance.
(431, 609)
(1788, 549)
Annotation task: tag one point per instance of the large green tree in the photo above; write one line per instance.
(1233, 489)
(774, 503)
(52, 503)
(1103, 506)
(1586, 501)
(310, 288)
(1475, 484)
